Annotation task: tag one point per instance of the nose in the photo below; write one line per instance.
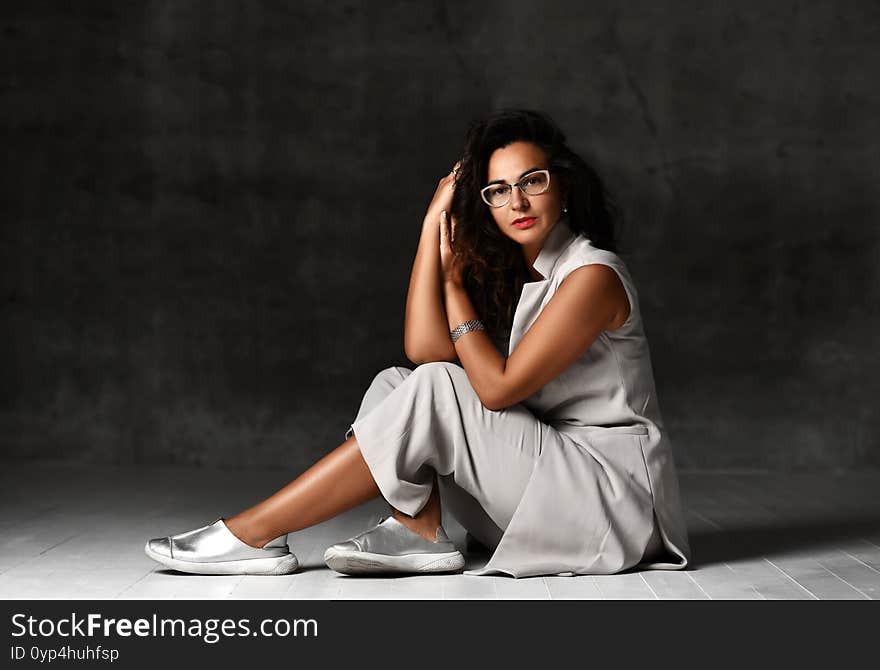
(518, 199)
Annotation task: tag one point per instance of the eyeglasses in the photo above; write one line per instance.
(534, 183)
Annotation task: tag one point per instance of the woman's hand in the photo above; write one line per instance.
(442, 199)
(450, 264)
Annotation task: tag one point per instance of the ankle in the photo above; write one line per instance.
(427, 528)
(240, 530)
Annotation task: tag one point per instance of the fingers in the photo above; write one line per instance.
(445, 246)
(445, 230)
(448, 180)
(450, 263)
(447, 227)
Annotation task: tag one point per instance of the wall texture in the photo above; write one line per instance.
(210, 209)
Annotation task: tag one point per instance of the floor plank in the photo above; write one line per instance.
(582, 587)
(674, 585)
(852, 571)
(625, 586)
(469, 587)
(721, 582)
(815, 578)
(864, 551)
(768, 581)
(524, 588)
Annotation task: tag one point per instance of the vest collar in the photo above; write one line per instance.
(561, 235)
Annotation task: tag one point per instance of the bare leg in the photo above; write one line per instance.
(338, 482)
(428, 520)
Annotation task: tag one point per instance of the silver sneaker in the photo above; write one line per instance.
(391, 547)
(214, 550)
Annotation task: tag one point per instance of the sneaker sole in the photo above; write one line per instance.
(362, 562)
(280, 565)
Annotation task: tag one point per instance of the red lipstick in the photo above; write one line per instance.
(524, 222)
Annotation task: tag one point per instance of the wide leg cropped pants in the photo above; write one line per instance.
(413, 423)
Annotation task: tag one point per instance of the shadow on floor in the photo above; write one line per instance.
(808, 535)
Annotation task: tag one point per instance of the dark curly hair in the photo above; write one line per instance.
(494, 267)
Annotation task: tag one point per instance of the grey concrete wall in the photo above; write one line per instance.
(210, 210)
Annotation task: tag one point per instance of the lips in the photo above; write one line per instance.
(524, 222)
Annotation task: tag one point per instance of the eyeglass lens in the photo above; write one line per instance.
(534, 183)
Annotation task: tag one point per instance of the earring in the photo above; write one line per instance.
(565, 210)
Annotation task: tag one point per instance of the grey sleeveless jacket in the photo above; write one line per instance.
(590, 503)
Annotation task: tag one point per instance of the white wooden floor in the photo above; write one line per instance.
(78, 532)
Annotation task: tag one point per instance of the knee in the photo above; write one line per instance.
(437, 370)
(392, 376)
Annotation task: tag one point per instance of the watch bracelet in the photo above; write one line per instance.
(466, 327)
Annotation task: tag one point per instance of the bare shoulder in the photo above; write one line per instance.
(600, 285)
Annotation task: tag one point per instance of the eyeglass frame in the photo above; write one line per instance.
(517, 184)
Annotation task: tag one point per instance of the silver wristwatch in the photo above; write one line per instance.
(466, 327)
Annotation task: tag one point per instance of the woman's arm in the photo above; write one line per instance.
(426, 335)
(589, 300)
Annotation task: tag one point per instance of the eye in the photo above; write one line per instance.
(494, 191)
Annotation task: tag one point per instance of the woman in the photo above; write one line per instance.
(532, 414)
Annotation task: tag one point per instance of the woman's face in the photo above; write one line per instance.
(526, 219)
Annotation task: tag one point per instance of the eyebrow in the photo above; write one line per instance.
(501, 181)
